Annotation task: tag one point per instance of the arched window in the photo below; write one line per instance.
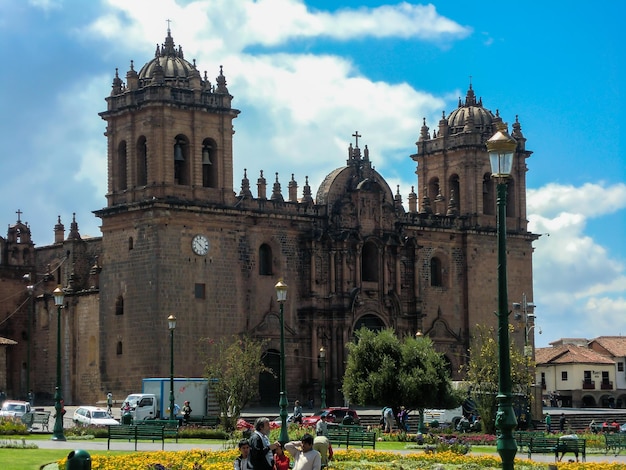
(121, 166)
(119, 305)
(142, 162)
(119, 348)
(436, 272)
(131, 243)
(489, 197)
(181, 160)
(433, 188)
(369, 262)
(455, 186)
(209, 164)
(369, 321)
(265, 260)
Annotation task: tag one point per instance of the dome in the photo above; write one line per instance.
(170, 62)
(358, 175)
(472, 111)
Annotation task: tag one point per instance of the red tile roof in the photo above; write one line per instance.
(570, 354)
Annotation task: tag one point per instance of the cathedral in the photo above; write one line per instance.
(179, 238)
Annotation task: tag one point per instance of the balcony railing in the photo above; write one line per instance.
(589, 385)
(606, 385)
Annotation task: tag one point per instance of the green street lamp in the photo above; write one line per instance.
(323, 365)
(57, 434)
(421, 427)
(281, 295)
(501, 148)
(171, 320)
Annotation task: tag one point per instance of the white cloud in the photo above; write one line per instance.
(579, 286)
(590, 200)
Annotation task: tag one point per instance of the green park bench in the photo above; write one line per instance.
(134, 432)
(616, 442)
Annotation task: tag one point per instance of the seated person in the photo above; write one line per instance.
(567, 437)
(347, 420)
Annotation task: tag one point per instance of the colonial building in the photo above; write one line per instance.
(582, 373)
(178, 238)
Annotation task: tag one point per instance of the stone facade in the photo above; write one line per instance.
(351, 256)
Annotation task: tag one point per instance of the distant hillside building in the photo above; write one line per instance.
(178, 238)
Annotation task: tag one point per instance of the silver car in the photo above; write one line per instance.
(15, 408)
(93, 416)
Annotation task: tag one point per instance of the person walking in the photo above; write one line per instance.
(388, 418)
(186, 411)
(321, 427)
(110, 403)
(297, 412)
(548, 423)
(562, 422)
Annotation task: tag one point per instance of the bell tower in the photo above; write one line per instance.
(454, 172)
(170, 170)
(169, 133)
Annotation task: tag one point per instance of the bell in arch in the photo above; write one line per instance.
(206, 155)
(178, 152)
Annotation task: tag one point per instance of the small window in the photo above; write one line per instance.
(265, 260)
(119, 348)
(119, 305)
(564, 375)
(620, 367)
(130, 243)
(436, 275)
(200, 291)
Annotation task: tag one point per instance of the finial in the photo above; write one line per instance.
(356, 135)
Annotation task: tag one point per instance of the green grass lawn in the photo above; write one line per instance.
(33, 459)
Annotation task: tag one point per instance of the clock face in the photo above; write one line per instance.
(200, 245)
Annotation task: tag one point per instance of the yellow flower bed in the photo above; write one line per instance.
(342, 460)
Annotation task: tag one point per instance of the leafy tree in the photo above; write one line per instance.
(232, 367)
(386, 371)
(482, 374)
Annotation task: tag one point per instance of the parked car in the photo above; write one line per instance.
(93, 416)
(15, 408)
(333, 415)
(278, 422)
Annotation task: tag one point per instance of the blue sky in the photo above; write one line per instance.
(307, 74)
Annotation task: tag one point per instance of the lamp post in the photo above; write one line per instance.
(421, 427)
(323, 365)
(171, 320)
(281, 295)
(522, 309)
(501, 148)
(31, 292)
(529, 318)
(57, 434)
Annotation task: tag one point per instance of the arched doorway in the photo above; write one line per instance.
(369, 321)
(589, 402)
(269, 382)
